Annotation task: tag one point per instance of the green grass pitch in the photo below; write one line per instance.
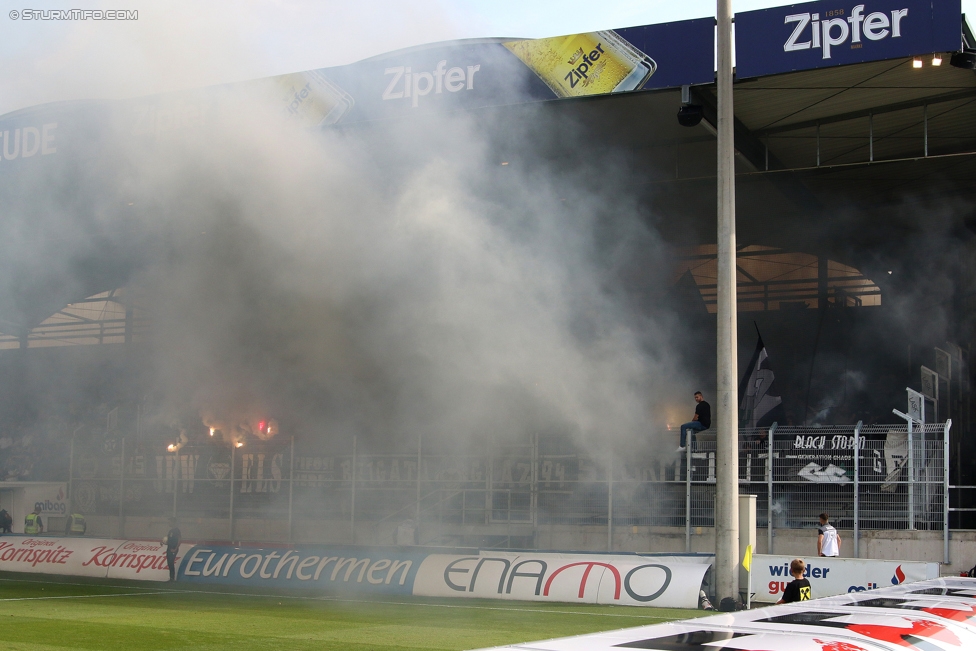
(51, 613)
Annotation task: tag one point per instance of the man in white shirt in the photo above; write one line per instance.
(828, 540)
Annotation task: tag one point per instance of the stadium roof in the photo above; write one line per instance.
(846, 142)
(824, 157)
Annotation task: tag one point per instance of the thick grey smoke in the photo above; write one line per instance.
(398, 280)
(185, 44)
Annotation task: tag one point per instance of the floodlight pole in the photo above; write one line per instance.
(727, 416)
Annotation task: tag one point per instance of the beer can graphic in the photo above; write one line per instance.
(585, 64)
(311, 98)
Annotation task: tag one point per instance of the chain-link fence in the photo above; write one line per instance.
(876, 477)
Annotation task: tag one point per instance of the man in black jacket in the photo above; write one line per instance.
(172, 542)
(701, 421)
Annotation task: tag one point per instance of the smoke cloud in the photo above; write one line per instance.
(398, 280)
(185, 44)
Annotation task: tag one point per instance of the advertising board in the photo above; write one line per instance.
(96, 557)
(325, 568)
(666, 581)
(584, 578)
(439, 77)
(498, 72)
(828, 33)
(834, 576)
(50, 498)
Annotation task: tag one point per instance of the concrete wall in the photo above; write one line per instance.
(20, 498)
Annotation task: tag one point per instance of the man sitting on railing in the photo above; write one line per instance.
(701, 421)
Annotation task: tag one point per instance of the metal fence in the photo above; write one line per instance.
(877, 477)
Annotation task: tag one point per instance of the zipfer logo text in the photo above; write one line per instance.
(836, 26)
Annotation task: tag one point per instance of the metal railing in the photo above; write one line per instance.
(877, 477)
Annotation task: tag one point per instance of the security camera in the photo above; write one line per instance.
(965, 60)
(689, 115)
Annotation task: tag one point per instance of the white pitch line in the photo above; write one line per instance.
(79, 596)
(414, 604)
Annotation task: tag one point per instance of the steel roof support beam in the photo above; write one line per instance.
(969, 93)
(755, 152)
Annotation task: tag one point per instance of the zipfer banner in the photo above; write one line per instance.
(440, 77)
(830, 33)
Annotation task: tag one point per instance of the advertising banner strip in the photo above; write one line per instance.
(576, 578)
(96, 557)
(439, 77)
(585, 578)
(822, 34)
(834, 576)
(861, 623)
(324, 568)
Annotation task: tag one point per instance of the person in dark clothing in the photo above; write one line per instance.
(172, 542)
(6, 521)
(799, 588)
(701, 421)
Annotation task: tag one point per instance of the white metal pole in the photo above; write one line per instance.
(489, 468)
(949, 392)
(911, 477)
(230, 512)
(176, 478)
(945, 492)
(727, 417)
(688, 492)
(857, 487)
(610, 502)
(749, 589)
(121, 491)
(534, 501)
(291, 488)
(770, 441)
(352, 499)
(71, 469)
(420, 459)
